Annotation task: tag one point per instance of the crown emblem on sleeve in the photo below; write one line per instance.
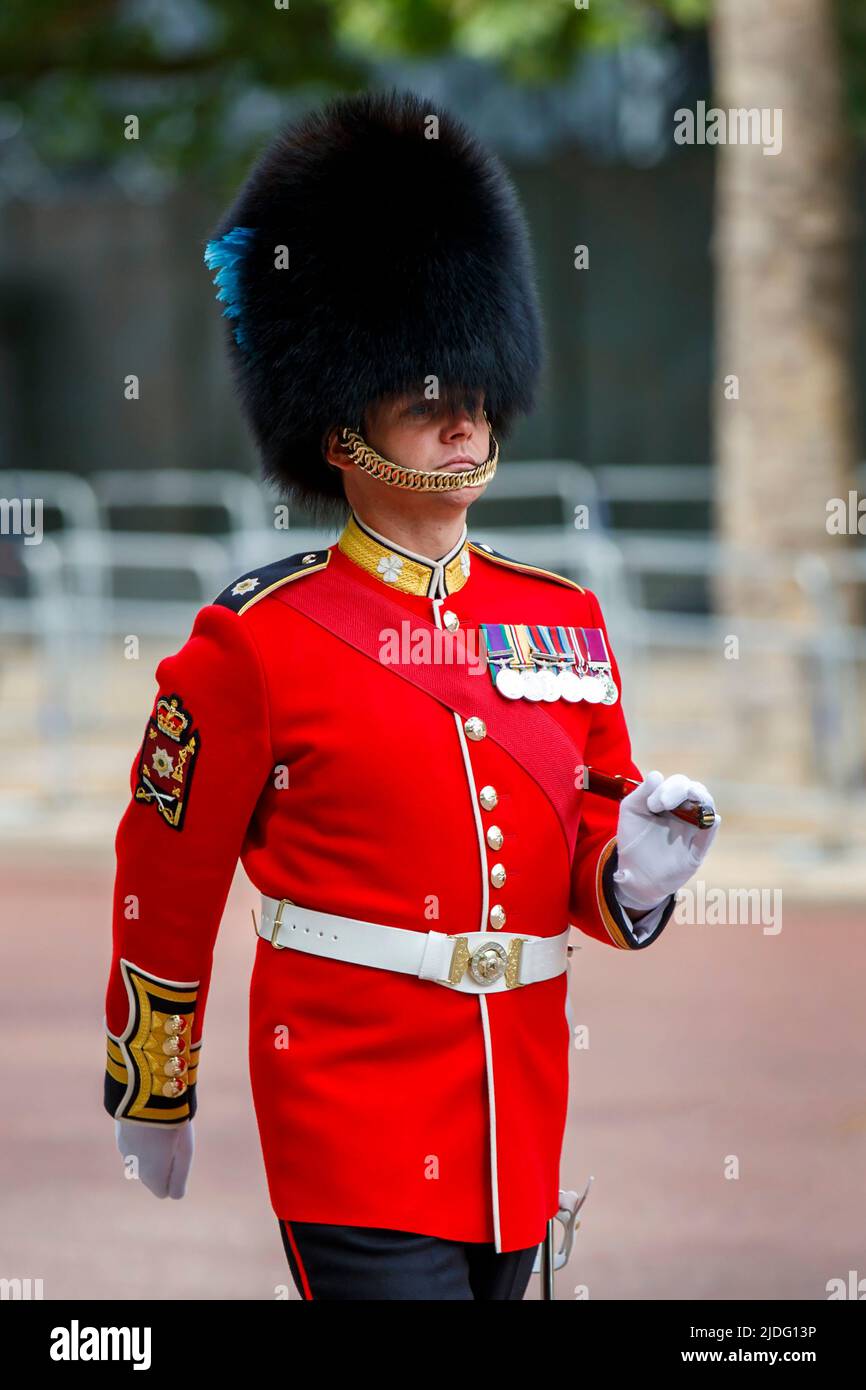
(170, 718)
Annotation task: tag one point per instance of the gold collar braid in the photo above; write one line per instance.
(416, 479)
(403, 569)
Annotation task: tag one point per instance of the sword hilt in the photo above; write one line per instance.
(548, 1259)
(615, 787)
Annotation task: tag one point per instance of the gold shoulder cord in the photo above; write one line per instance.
(397, 475)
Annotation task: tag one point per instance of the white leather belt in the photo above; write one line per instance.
(475, 963)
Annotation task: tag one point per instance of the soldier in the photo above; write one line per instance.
(390, 734)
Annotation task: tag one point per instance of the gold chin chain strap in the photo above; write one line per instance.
(396, 475)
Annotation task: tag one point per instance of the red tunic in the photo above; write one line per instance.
(382, 1099)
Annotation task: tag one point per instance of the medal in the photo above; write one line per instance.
(587, 689)
(544, 654)
(532, 662)
(508, 682)
(549, 685)
(530, 676)
(501, 660)
(599, 662)
(530, 681)
(593, 689)
(569, 685)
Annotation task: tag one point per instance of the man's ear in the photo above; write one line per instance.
(335, 452)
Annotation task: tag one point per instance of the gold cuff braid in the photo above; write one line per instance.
(416, 479)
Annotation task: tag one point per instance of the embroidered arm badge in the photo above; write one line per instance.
(167, 760)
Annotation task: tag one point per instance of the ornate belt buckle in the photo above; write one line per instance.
(487, 963)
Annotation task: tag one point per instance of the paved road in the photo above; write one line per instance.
(718, 1043)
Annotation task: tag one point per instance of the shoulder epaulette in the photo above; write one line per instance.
(500, 559)
(251, 587)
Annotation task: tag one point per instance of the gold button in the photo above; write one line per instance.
(451, 621)
(175, 1066)
(488, 797)
(497, 875)
(173, 1088)
(497, 917)
(495, 837)
(475, 728)
(174, 1024)
(172, 1046)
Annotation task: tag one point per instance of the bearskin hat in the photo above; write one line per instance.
(375, 244)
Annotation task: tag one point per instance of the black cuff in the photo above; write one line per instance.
(151, 1071)
(617, 912)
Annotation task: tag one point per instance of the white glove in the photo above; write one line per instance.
(164, 1153)
(657, 853)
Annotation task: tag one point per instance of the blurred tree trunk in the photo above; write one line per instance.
(782, 247)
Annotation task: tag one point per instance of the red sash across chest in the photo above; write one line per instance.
(529, 732)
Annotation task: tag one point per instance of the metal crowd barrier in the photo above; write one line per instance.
(238, 496)
(78, 583)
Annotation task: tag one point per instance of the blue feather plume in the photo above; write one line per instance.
(225, 256)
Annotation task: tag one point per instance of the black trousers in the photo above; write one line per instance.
(348, 1263)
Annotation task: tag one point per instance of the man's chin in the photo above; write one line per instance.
(461, 497)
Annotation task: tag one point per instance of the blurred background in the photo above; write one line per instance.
(696, 459)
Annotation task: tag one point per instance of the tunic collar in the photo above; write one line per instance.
(403, 569)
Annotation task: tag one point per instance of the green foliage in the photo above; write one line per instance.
(209, 78)
(73, 69)
(532, 41)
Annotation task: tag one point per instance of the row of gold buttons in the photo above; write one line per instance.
(476, 729)
(175, 1044)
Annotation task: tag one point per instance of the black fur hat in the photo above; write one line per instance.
(408, 257)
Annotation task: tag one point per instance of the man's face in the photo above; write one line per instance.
(429, 435)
